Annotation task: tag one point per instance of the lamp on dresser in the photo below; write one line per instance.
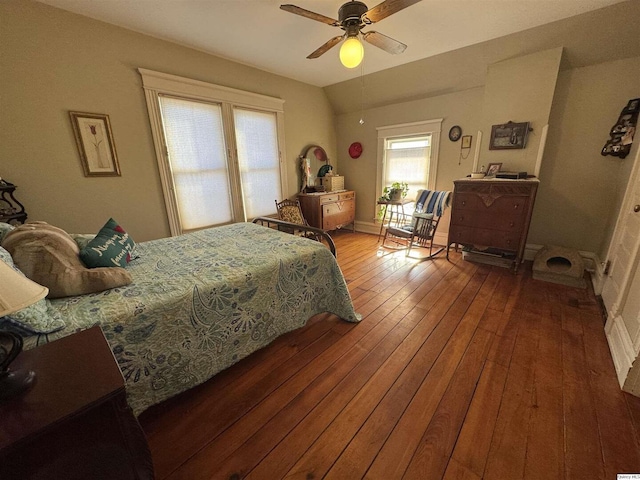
(16, 293)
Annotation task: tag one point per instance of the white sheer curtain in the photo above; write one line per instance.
(258, 160)
(407, 160)
(219, 150)
(196, 148)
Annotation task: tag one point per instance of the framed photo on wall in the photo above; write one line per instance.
(95, 144)
(510, 135)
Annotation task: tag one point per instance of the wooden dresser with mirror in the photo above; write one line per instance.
(330, 210)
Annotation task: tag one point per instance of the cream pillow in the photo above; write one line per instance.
(49, 256)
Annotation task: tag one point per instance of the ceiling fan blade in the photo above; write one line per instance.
(327, 46)
(386, 8)
(387, 44)
(309, 14)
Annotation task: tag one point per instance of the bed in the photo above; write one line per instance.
(202, 301)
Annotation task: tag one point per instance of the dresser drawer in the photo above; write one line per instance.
(507, 223)
(330, 198)
(337, 197)
(510, 205)
(484, 237)
(467, 218)
(338, 208)
(467, 201)
(346, 195)
(461, 234)
(338, 220)
(501, 239)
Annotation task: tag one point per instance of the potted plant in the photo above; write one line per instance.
(394, 193)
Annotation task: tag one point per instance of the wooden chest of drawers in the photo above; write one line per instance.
(492, 213)
(329, 211)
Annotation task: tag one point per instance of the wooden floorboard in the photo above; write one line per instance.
(457, 371)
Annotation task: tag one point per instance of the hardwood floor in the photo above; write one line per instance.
(457, 371)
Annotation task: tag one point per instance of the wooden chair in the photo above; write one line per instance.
(290, 211)
(419, 228)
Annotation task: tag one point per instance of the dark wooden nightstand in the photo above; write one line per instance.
(11, 210)
(74, 423)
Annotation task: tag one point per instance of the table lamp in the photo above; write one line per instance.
(16, 293)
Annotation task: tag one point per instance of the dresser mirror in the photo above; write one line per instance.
(314, 163)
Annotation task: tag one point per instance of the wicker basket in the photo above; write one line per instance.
(333, 183)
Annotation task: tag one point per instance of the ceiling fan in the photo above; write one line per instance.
(353, 16)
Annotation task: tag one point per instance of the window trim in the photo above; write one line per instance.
(158, 83)
(414, 129)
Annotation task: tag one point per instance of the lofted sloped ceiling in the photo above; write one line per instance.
(258, 33)
(591, 38)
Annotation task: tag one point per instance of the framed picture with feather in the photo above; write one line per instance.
(95, 144)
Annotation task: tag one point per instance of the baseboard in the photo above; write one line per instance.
(597, 273)
(441, 238)
(621, 347)
(368, 227)
(591, 261)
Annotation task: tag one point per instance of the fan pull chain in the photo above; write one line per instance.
(362, 93)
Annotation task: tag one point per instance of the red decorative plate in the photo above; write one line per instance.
(355, 150)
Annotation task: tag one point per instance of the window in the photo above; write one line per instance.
(408, 153)
(197, 161)
(259, 161)
(406, 159)
(218, 151)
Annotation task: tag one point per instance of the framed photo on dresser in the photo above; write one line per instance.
(493, 168)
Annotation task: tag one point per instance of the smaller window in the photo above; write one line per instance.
(408, 153)
(407, 159)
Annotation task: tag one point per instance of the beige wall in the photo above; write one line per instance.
(580, 190)
(519, 90)
(463, 108)
(54, 61)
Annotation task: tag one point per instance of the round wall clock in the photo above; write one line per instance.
(455, 133)
(355, 150)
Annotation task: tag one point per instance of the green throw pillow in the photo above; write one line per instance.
(112, 247)
(37, 318)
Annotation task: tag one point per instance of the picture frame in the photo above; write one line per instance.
(466, 141)
(94, 140)
(509, 136)
(493, 168)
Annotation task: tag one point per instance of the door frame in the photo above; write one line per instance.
(624, 349)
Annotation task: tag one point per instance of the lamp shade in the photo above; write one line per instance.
(17, 291)
(351, 52)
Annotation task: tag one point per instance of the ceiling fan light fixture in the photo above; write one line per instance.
(351, 52)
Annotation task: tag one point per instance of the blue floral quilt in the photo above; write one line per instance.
(202, 301)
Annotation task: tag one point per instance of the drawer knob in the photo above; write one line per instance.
(515, 206)
(511, 224)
